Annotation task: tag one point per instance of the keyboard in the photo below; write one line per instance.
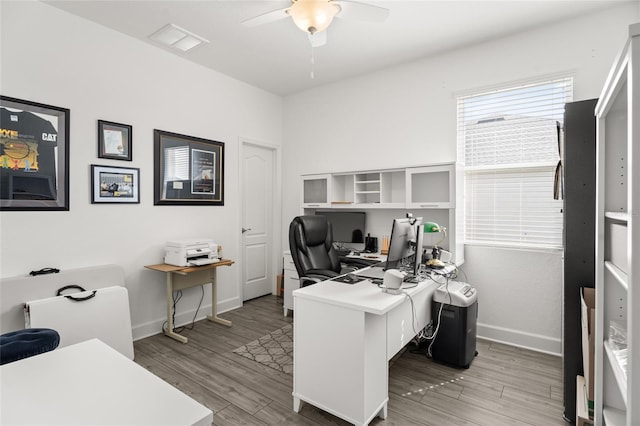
(343, 252)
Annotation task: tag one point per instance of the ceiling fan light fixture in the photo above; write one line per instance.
(313, 16)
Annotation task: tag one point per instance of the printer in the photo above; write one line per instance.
(191, 252)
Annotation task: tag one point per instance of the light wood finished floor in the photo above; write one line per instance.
(503, 386)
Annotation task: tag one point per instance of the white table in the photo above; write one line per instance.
(344, 336)
(90, 383)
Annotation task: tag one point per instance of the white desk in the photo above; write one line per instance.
(90, 383)
(344, 336)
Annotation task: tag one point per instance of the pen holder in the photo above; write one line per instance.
(385, 245)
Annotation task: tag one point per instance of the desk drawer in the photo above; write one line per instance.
(288, 264)
(291, 281)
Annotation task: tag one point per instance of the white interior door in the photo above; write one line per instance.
(257, 221)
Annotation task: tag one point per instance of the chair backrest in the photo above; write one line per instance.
(311, 244)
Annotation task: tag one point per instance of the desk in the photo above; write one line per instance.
(343, 338)
(90, 383)
(181, 277)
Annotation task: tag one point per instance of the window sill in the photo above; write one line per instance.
(515, 246)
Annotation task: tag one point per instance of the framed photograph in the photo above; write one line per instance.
(115, 185)
(187, 170)
(114, 140)
(34, 156)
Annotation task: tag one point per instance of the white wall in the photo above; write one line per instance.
(52, 57)
(406, 116)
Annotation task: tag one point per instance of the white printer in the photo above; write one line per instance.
(191, 252)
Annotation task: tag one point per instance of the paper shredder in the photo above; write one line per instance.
(455, 342)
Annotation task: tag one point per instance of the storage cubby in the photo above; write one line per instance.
(393, 188)
(367, 188)
(342, 186)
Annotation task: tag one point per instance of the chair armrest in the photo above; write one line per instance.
(327, 273)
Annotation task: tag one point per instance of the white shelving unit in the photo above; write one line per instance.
(617, 388)
(431, 191)
(428, 187)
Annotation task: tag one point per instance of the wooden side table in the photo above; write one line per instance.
(181, 277)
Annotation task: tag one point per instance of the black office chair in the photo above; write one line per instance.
(311, 245)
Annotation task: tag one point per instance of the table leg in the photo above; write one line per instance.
(214, 302)
(297, 403)
(170, 326)
(383, 412)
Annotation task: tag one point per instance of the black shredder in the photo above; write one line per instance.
(455, 342)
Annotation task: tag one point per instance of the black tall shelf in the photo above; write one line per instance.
(579, 165)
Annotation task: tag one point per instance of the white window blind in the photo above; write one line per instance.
(508, 141)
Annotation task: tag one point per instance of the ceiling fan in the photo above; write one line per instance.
(314, 16)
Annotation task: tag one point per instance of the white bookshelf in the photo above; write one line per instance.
(618, 238)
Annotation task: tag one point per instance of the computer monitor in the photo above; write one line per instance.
(405, 245)
(348, 227)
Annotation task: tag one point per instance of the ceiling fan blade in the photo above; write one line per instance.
(361, 11)
(318, 39)
(266, 18)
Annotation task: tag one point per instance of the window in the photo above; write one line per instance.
(508, 141)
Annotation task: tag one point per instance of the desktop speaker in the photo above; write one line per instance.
(392, 281)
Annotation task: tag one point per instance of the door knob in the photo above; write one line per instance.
(245, 230)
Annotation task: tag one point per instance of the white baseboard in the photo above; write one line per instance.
(151, 328)
(521, 339)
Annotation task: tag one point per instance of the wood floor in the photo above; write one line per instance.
(503, 386)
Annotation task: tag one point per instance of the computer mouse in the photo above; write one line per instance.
(352, 278)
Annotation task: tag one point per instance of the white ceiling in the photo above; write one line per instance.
(276, 56)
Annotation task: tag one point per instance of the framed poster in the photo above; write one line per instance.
(34, 156)
(187, 170)
(115, 185)
(114, 140)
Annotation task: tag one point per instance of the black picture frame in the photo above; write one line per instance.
(115, 140)
(34, 156)
(187, 170)
(115, 185)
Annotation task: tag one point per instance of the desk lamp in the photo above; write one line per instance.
(432, 227)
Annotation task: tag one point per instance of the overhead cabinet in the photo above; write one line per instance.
(617, 343)
(316, 191)
(432, 187)
(431, 191)
(428, 187)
